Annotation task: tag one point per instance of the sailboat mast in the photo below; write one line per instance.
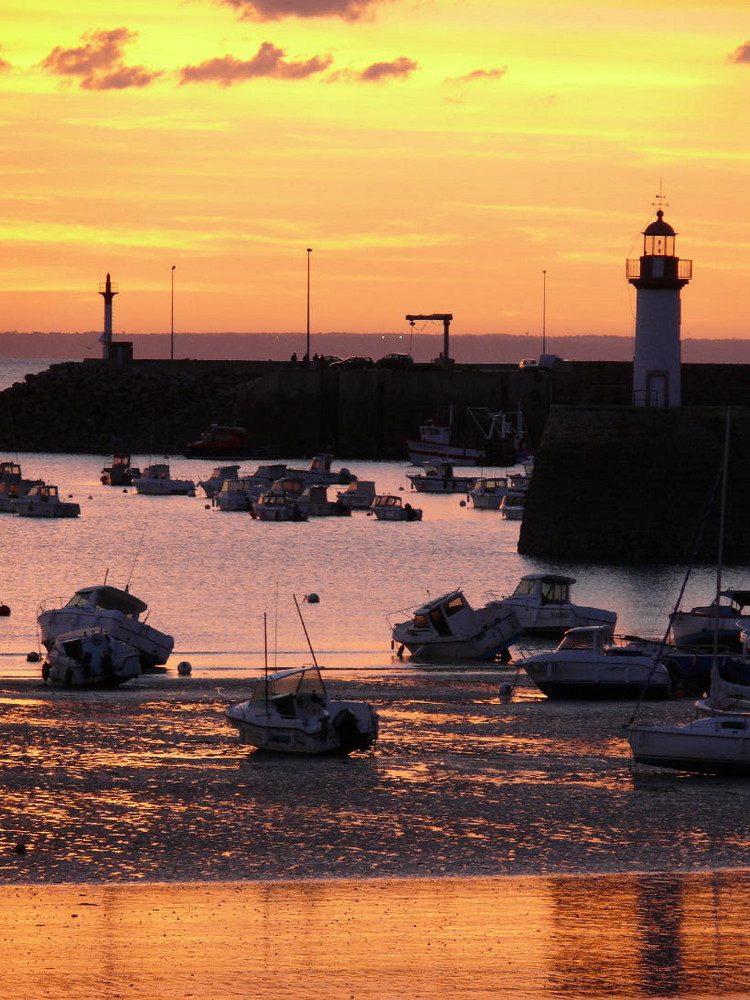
(720, 544)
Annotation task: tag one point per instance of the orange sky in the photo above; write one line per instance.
(438, 156)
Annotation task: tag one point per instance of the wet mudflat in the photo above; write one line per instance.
(150, 783)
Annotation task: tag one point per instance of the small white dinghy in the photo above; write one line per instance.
(90, 657)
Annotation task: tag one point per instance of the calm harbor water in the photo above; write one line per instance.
(486, 848)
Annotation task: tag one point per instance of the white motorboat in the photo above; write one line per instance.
(89, 657)
(290, 711)
(440, 478)
(157, 481)
(13, 485)
(239, 494)
(591, 664)
(450, 628)
(723, 618)
(113, 610)
(359, 494)
(272, 506)
(391, 507)
(487, 494)
(314, 500)
(44, 501)
(718, 744)
(542, 605)
(213, 483)
(120, 472)
(513, 504)
(321, 471)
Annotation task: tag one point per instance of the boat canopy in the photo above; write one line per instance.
(290, 683)
(550, 587)
(106, 598)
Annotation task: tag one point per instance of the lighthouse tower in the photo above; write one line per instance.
(658, 276)
(108, 291)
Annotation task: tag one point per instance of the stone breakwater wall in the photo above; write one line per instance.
(158, 407)
(626, 485)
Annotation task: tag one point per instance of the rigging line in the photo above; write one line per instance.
(719, 481)
(304, 627)
(135, 557)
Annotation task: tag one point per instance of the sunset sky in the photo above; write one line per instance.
(436, 155)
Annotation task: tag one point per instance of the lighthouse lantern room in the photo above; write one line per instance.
(658, 276)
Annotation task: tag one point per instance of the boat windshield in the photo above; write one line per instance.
(293, 682)
(552, 591)
(577, 640)
(107, 599)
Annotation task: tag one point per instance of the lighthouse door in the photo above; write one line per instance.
(657, 389)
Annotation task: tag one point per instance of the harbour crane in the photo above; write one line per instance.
(445, 318)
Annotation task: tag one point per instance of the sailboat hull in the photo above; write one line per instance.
(715, 745)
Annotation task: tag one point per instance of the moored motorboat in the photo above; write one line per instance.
(157, 481)
(214, 482)
(272, 506)
(542, 605)
(89, 657)
(321, 471)
(513, 505)
(487, 493)
(391, 507)
(717, 744)
(448, 627)
(239, 494)
(591, 664)
(721, 621)
(44, 500)
(120, 472)
(314, 500)
(439, 478)
(117, 612)
(358, 495)
(436, 444)
(290, 711)
(13, 485)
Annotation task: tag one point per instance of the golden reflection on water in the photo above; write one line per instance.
(522, 938)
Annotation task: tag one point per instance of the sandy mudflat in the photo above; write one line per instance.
(470, 854)
(150, 783)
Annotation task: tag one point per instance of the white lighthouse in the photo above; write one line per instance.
(658, 275)
(108, 290)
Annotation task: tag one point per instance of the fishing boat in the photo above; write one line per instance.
(220, 441)
(120, 472)
(115, 611)
(543, 606)
(448, 627)
(315, 501)
(238, 494)
(157, 481)
(391, 507)
(436, 444)
(591, 664)
(13, 485)
(89, 657)
(44, 500)
(321, 471)
(440, 478)
(290, 712)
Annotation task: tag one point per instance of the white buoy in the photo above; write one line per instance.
(506, 689)
(184, 668)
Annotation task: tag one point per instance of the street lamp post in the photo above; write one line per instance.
(307, 341)
(171, 325)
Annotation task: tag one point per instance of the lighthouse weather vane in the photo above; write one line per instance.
(661, 198)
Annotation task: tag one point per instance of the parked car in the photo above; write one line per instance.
(327, 360)
(395, 361)
(354, 362)
(528, 363)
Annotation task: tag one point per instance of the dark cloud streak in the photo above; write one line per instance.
(268, 61)
(274, 10)
(98, 63)
(479, 74)
(399, 68)
(741, 54)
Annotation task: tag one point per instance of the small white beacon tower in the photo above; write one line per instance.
(658, 275)
(108, 290)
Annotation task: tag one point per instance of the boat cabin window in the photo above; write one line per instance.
(455, 604)
(555, 593)
(420, 621)
(438, 622)
(578, 640)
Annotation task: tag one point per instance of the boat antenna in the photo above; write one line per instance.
(106, 574)
(304, 627)
(135, 558)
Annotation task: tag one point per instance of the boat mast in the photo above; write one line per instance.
(720, 543)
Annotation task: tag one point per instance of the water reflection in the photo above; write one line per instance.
(523, 938)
